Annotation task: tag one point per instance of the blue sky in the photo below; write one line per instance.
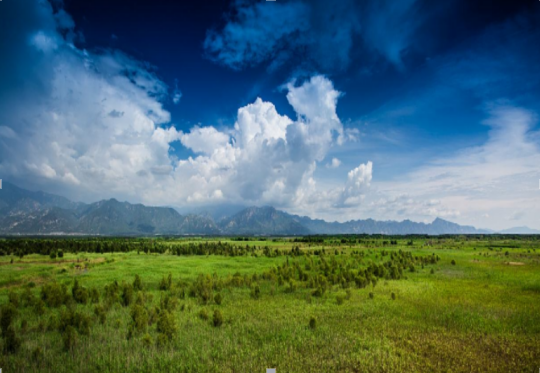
(340, 110)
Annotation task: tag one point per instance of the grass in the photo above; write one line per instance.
(479, 315)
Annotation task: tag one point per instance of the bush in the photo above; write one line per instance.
(9, 313)
(218, 299)
(453, 262)
(37, 355)
(11, 341)
(139, 318)
(340, 299)
(371, 295)
(94, 295)
(100, 313)
(166, 283)
(348, 294)
(54, 294)
(27, 297)
(13, 298)
(39, 307)
(137, 283)
(80, 294)
(432, 271)
(203, 314)
(69, 337)
(218, 318)
(166, 325)
(77, 320)
(255, 292)
(312, 323)
(393, 296)
(60, 254)
(147, 340)
(52, 255)
(127, 295)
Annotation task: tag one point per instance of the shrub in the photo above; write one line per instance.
(166, 325)
(348, 294)
(340, 299)
(312, 323)
(165, 283)
(255, 292)
(137, 283)
(218, 318)
(24, 325)
(39, 307)
(127, 295)
(11, 341)
(54, 294)
(203, 314)
(72, 318)
(13, 298)
(147, 340)
(218, 299)
(432, 271)
(60, 254)
(80, 294)
(139, 318)
(9, 312)
(100, 313)
(37, 355)
(52, 255)
(27, 297)
(453, 262)
(371, 295)
(94, 295)
(69, 337)
(393, 296)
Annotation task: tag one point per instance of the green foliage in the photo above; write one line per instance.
(371, 295)
(80, 294)
(218, 318)
(137, 283)
(11, 341)
(393, 296)
(127, 295)
(69, 337)
(52, 255)
(9, 313)
(255, 291)
(312, 323)
(218, 299)
(340, 299)
(203, 314)
(165, 283)
(100, 313)
(453, 262)
(60, 254)
(166, 325)
(139, 318)
(54, 294)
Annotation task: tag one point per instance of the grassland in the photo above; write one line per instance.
(474, 309)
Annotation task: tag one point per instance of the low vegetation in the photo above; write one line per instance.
(348, 303)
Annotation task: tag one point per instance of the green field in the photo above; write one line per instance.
(347, 304)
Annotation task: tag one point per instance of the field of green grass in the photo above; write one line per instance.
(460, 304)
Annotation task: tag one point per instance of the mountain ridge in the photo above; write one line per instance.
(24, 212)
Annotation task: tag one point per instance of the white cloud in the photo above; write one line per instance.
(95, 128)
(334, 163)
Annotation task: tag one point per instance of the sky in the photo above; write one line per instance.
(341, 110)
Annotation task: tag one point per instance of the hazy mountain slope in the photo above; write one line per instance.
(264, 221)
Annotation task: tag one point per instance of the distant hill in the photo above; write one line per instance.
(262, 221)
(520, 230)
(25, 212)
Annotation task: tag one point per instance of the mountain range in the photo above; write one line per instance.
(24, 212)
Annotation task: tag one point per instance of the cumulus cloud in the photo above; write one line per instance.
(95, 128)
(334, 163)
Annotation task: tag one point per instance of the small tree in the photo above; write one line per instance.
(218, 318)
(218, 299)
(312, 323)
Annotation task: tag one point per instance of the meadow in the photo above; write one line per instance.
(312, 304)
